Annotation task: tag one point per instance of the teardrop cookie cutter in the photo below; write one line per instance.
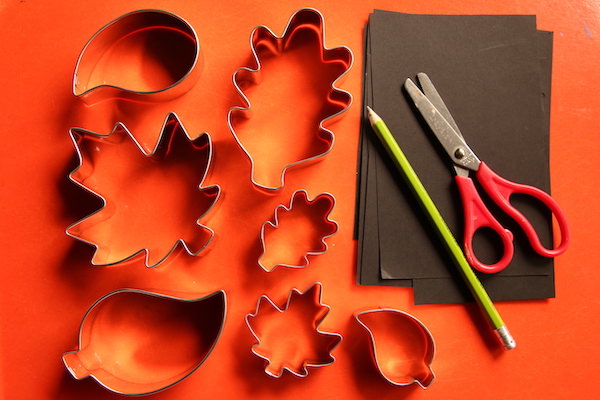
(305, 18)
(334, 339)
(115, 363)
(396, 371)
(182, 39)
(299, 195)
(78, 177)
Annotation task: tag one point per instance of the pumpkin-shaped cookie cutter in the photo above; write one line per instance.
(133, 342)
(174, 50)
(406, 359)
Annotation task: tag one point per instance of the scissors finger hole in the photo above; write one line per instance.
(486, 246)
(537, 213)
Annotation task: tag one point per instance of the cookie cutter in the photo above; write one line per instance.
(329, 341)
(168, 44)
(407, 359)
(263, 37)
(135, 342)
(170, 127)
(300, 195)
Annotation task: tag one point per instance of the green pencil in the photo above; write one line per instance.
(454, 250)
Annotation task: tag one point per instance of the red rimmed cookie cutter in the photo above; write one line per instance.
(317, 211)
(288, 338)
(112, 229)
(402, 347)
(264, 42)
(135, 342)
(109, 65)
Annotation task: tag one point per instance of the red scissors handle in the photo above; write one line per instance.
(500, 190)
(478, 216)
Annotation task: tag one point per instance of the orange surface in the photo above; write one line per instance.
(48, 282)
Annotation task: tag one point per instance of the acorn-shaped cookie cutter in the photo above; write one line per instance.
(167, 45)
(299, 196)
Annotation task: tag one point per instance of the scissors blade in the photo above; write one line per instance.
(432, 94)
(452, 141)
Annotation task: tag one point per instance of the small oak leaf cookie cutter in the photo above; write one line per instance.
(331, 227)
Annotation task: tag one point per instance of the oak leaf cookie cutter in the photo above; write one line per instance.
(305, 18)
(407, 358)
(329, 341)
(300, 195)
(126, 335)
(172, 33)
(171, 127)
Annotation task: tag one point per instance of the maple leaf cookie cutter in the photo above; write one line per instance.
(304, 18)
(171, 127)
(171, 47)
(300, 196)
(329, 343)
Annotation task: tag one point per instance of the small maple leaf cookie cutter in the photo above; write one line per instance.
(122, 339)
(301, 19)
(167, 37)
(329, 340)
(171, 127)
(406, 358)
(300, 196)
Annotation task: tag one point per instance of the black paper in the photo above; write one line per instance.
(487, 69)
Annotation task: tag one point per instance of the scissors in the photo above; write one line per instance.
(476, 215)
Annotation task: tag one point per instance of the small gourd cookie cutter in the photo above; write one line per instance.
(171, 127)
(300, 196)
(276, 362)
(305, 18)
(168, 41)
(135, 342)
(405, 359)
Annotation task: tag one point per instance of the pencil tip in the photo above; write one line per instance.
(373, 117)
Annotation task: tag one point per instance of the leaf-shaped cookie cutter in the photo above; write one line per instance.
(121, 27)
(336, 337)
(303, 195)
(213, 189)
(300, 18)
(80, 369)
(427, 343)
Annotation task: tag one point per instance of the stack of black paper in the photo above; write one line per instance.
(493, 72)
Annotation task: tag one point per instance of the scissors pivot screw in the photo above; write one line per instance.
(460, 153)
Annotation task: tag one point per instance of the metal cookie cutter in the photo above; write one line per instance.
(262, 39)
(286, 342)
(135, 342)
(109, 65)
(97, 229)
(402, 347)
(322, 204)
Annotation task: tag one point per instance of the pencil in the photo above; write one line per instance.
(437, 221)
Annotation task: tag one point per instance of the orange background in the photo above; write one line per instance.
(48, 282)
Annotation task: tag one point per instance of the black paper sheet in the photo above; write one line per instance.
(493, 72)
